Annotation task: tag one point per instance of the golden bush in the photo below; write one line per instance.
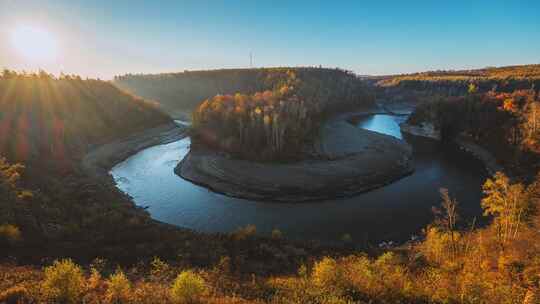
(118, 288)
(328, 275)
(10, 233)
(277, 234)
(188, 287)
(64, 282)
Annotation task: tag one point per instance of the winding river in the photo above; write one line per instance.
(394, 212)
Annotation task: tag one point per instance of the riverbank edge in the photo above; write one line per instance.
(100, 160)
(205, 172)
(98, 163)
(305, 198)
(487, 159)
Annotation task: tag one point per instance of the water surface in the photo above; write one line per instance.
(394, 212)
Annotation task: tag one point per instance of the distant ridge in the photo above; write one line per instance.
(182, 92)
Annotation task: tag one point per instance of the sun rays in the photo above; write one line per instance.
(34, 44)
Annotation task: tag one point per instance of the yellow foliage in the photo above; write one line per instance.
(283, 90)
(64, 282)
(118, 288)
(150, 293)
(277, 234)
(245, 232)
(508, 105)
(267, 120)
(508, 203)
(16, 294)
(11, 233)
(94, 281)
(188, 288)
(328, 275)
(437, 245)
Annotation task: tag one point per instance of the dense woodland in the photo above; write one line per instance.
(75, 239)
(48, 119)
(507, 124)
(277, 123)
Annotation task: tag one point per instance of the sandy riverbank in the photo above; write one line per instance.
(100, 160)
(350, 161)
(484, 156)
(489, 161)
(424, 130)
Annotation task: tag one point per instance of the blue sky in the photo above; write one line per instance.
(106, 38)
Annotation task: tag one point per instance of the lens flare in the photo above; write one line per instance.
(35, 44)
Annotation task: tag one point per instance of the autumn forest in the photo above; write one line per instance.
(263, 152)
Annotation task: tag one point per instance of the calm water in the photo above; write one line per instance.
(394, 212)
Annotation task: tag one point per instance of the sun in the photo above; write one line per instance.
(35, 44)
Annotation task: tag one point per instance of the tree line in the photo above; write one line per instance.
(184, 91)
(423, 86)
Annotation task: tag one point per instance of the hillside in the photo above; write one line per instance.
(46, 217)
(183, 92)
(493, 107)
(56, 120)
(456, 83)
(530, 71)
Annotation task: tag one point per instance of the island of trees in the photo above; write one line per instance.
(276, 123)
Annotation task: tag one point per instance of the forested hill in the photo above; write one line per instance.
(57, 119)
(183, 92)
(455, 83)
(277, 122)
(493, 107)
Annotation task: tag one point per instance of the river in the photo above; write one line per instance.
(394, 212)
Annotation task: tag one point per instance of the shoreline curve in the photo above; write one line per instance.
(349, 161)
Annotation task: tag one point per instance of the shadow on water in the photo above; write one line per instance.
(394, 212)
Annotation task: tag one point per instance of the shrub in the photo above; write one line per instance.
(10, 233)
(346, 238)
(63, 282)
(437, 245)
(16, 294)
(94, 281)
(245, 232)
(160, 270)
(277, 234)
(224, 265)
(328, 276)
(119, 288)
(188, 287)
(99, 265)
(150, 293)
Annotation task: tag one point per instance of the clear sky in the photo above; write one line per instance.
(104, 38)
